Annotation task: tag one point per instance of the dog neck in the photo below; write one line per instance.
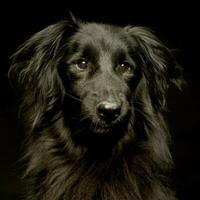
(79, 172)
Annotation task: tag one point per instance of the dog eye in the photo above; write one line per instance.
(82, 64)
(124, 67)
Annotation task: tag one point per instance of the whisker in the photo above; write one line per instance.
(83, 118)
(140, 111)
(73, 97)
(80, 130)
(139, 103)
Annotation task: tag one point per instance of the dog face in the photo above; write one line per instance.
(102, 73)
(104, 68)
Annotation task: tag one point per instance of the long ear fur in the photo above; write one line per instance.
(34, 72)
(159, 66)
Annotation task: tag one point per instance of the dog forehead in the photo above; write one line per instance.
(103, 36)
(99, 29)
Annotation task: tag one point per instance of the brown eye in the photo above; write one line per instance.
(82, 64)
(124, 67)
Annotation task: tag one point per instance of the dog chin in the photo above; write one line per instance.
(101, 129)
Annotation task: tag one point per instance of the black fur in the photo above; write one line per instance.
(63, 72)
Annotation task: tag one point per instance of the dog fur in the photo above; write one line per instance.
(62, 73)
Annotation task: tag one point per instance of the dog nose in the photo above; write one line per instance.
(108, 111)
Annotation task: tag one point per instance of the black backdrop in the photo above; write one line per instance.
(176, 24)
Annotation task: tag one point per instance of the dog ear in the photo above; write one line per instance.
(158, 64)
(34, 71)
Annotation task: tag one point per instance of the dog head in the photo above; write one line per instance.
(102, 69)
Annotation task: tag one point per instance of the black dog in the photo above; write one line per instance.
(93, 98)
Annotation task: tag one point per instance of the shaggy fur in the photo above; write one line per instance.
(63, 72)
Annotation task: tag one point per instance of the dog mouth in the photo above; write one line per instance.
(101, 128)
(108, 127)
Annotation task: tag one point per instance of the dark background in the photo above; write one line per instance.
(176, 24)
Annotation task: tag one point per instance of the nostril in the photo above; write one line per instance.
(95, 94)
(108, 110)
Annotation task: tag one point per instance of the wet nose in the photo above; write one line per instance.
(108, 111)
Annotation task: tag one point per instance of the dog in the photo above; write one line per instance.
(93, 97)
